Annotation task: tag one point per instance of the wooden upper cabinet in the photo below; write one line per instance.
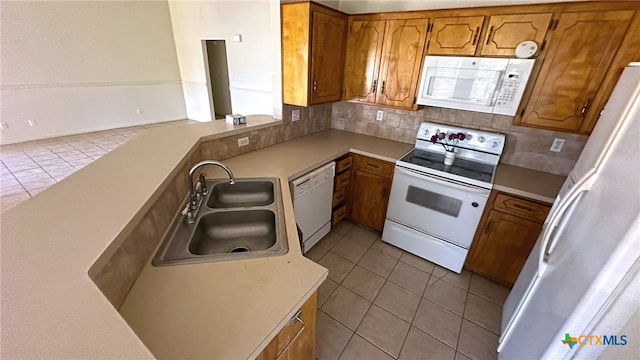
(401, 59)
(327, 54)
(581, 51)
(313, 43)
(507, 31)
(362, 60)
(455, 35)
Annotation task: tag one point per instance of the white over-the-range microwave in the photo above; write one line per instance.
(491, 85)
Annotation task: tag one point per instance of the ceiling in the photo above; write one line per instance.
(368, 6)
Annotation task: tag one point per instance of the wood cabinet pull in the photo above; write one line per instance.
(475, 36)
(518, 206)
(374, 86)
(584, 108)
(488, 227)
(490, 34)
(382, 88)
(373, 165)
(315, 85)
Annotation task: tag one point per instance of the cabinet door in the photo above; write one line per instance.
(297, 339)
(327, 54)
(580, 53)
(362, 61)
(369, 199)
(401, 60)
(504, 246)
(455, 35)
(507, 31)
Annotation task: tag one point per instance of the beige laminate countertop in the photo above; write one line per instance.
(52, 309)
(229, 310)
(529, 183)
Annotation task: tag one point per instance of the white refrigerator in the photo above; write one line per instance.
(582, 274)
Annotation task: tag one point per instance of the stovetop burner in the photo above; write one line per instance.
(461, 167)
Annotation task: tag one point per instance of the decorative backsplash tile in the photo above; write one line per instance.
(525, 147)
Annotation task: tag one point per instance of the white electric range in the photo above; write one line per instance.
(434, 209)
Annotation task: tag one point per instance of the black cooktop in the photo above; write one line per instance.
(461, 167)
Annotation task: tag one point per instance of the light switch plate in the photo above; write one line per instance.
(379, 115)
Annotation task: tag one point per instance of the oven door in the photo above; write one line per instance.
(446, 209)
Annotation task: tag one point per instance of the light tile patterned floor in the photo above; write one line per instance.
(30, 167)
(380, 302)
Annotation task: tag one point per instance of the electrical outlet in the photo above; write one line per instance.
(138, 111)
(32, 123)
(243, 141)
(379, 115)
(295, 115)
(557, 145)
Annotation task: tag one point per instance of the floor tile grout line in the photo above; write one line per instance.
(414, 316)
(464, 310)
(368, 309)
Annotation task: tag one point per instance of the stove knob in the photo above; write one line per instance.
(426, 132)
(481, 139)
(495, 144)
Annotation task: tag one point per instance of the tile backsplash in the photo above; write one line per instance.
(525, 147)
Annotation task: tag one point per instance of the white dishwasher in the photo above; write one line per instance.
(312, 195)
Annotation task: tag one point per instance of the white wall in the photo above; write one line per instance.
(253, 63)
(78, 66)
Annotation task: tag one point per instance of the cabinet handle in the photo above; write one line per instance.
(375, 166)
(475, 36)
(490, 34)
(315, 85)
(585, 106)
(488, 227)
(297, 317)
(518, 206)
(382, 88)
(374, 86)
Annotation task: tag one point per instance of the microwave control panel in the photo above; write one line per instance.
(513, 84)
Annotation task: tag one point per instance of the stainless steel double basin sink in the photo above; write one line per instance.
(235, 221)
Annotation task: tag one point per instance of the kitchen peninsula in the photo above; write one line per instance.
(54, 309)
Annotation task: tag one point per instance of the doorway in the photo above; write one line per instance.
(218, 77)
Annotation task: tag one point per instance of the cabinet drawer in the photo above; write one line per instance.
(339, 214)
(343, 164)
(342, 180)
(374, 166)
(339, 197)
(521, 207)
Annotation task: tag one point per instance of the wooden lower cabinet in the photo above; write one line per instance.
(507, 232)
(504, 246)
(371, 184)
(297, 339)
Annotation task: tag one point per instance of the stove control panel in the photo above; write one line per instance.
(477, 140)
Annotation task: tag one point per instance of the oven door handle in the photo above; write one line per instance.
(427, 177)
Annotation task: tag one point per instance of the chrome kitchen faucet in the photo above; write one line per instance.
(198, 191)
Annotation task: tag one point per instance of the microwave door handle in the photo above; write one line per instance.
(498, 88)
(425, 177)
